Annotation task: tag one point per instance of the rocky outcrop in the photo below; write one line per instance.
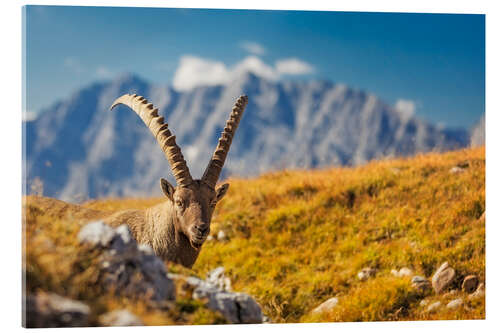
(127, 268)
(134, 271)
(51, 310)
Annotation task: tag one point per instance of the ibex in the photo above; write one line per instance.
(177, 228)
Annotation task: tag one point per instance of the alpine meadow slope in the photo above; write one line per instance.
(78, 149)
(295, 239)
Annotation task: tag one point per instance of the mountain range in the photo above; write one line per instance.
(78, 149)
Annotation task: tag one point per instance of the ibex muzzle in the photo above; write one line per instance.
(177, 228)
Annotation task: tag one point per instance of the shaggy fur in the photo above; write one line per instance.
(177, 228)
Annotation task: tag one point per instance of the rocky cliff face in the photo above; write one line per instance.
(79, 149)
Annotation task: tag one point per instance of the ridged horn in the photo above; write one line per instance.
(149, 115)
(214, 168)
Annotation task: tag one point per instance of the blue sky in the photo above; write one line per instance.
(430, 64)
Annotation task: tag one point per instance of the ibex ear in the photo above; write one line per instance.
(167, 189)
(220, 191)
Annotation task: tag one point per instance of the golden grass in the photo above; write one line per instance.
(297, 238)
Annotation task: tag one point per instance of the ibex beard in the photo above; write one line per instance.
(177, 228)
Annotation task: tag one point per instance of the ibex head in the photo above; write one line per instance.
(193, 200)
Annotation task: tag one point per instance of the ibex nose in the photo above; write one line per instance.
(202, 229)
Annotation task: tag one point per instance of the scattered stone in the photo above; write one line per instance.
(326, 306)
(480, 292)
(470, 283)
(210, 238)
(452, 305)
(457, 169)
(96, 234)
(266, 320)
(434, 306)
(120, 318)
(221, 236)
(420, 283)
(405, 271)
(366, 273)
(52, 310)
(443, 278)
(424, 302)
(217, 278)
(237, 308)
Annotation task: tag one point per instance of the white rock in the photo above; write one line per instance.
(326, 306)
(124, 232)
(424, 302)
(366, 273)
(405, 271)
(434, 306)
(221, 236)
(454, 304)
(96, 233)
(457, 169)
(218, 279)
(443, 277)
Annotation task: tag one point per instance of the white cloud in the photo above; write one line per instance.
(195, 71)
(253, 47)
(256, 66)
(406, 107)
(293, 66)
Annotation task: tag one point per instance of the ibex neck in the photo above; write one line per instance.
(168, 241)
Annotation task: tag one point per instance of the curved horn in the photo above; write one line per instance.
(214, 168)
(149, 115)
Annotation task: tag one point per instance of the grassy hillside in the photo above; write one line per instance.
(298, 238)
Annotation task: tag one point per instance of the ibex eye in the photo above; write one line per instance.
(179, 203)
